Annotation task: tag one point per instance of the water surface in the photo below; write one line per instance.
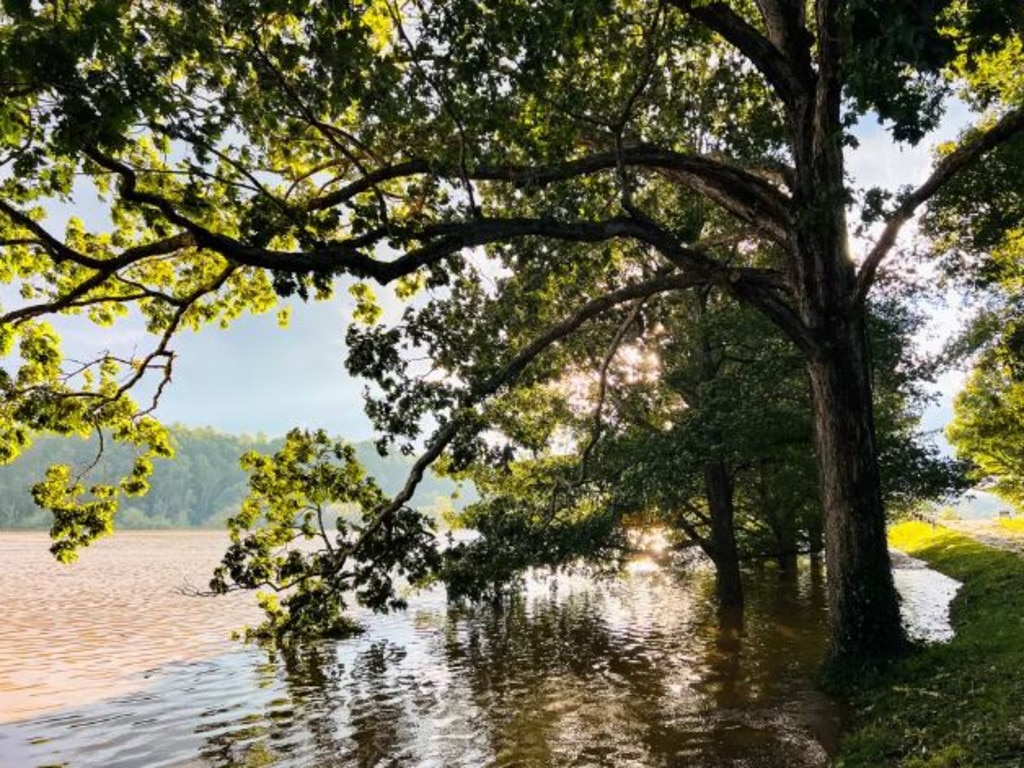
(104, 664)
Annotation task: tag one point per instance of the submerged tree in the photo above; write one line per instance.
(686, 447)
(249, 151)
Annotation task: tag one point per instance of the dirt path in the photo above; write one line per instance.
(988, 532)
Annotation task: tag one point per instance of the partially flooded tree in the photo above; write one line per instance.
(249, 151)
(685, 446)
(690, 413)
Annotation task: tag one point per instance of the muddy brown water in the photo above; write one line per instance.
(104, 664)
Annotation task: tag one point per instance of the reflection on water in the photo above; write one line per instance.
(925, 598)
(636, 671)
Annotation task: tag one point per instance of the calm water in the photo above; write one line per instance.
(105, 665)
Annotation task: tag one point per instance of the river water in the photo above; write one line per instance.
(105, 664)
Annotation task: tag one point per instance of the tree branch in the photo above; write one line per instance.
(766, 57)
(965, 156)
(742, 193)
(689, 528)
(602, 387)
(761, 287)
(60, 252)
(78, 297)
(439, 240)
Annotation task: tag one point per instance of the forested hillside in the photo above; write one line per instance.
(199, 487)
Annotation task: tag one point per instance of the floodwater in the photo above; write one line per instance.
(926, 595)
(105, 664)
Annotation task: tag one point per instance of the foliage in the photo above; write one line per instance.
(957, 704)
(709, 381)
(730, 389)
(290, 494)
(534, 513)
(975, 227)
(916, 44)
(914, 472)
(988, 428)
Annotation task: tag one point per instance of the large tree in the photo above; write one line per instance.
(251, 150)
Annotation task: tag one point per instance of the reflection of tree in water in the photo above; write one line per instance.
(326, 716)
(380, 730)
(588, 679)
(642, 671)
(723, 661)
(558, 683)
(525, 666)
(757, 672)
(298, 721)
(772, 645)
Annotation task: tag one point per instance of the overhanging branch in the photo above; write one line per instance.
(742, 193)
(437, 240)
(965, 156)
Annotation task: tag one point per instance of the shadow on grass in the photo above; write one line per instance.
(958, 704)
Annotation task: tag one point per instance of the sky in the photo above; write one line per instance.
(257, 377)
(879, 161)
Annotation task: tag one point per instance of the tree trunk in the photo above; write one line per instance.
(864, 620)
(787, 559)
(719, 490)
(863, 611)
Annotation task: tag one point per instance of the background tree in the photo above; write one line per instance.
(975, 230)
(988, 427)
(734, 396)
(249, 151)
(202, 486)
(679, 393)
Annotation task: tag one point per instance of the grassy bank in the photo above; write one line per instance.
(1016, 526)
(959, 704)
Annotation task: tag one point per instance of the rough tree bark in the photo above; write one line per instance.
(864, 618)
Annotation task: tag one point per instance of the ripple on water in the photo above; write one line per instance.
(97, 628)
(636, 671)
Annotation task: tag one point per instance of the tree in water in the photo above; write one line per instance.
(691, 414)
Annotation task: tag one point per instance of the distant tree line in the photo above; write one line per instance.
(200, 488)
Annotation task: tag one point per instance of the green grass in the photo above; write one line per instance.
(955, 705)
(1017, 526)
